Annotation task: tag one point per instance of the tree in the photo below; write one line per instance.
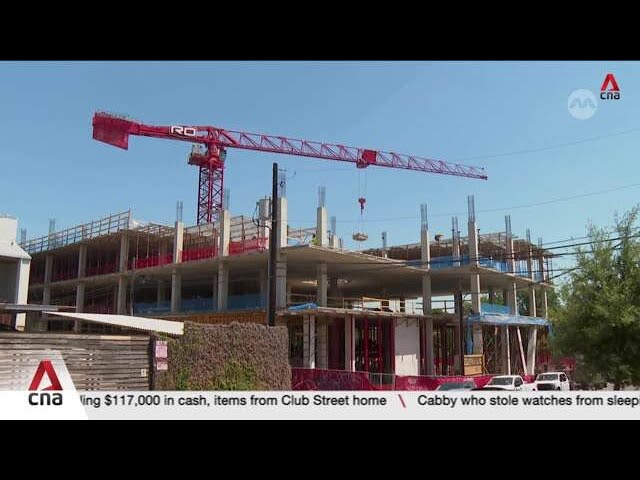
(599, 321)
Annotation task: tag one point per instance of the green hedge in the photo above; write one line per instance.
(228, 357)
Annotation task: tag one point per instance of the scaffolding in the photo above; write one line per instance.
(96, 228)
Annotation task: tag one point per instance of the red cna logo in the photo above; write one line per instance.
(610, 89)
(46, 368)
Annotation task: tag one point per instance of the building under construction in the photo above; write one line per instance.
(403, 310)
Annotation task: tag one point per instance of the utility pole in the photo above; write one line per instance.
(274, 250)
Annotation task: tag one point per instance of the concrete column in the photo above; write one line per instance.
(121, 307)
(163, 248)
(264, 286)
(80, 301)
(225, 233)
(474, 261)
(281, 282)
(512, 299)
(428, 346)
(425, 259)
(506, 351)
(457, 366)
(124, 253)
(82, 261)
(321, 290)
(322, 351)
(264, 212)
(309, 345)
(214, 290)
(349, 344)
(80, 296)
(283, 222)
(541, 268)
(426, 294)
(160, 292)
(22, 292)
(223, 287)
(455, 250)
(48, 273)
(178, 242)
(322, 230)
(81, 287)
(492, 295)
(176, 291)
(121, 302)
(334, 241)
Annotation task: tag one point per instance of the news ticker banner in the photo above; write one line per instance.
(316, 405)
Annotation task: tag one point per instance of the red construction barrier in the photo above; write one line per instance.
(193, 254)
(251, 245)
(154, 261)
(316, 379)
(422, 382)
(101, 269)
(319, 379)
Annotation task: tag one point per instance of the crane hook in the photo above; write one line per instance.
(362, 201)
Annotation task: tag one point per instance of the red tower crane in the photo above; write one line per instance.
(115, 130)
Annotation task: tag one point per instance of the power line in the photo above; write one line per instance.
(549, 147)
(492, 210)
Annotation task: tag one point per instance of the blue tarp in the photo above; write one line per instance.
(304, 306)
(504, 319)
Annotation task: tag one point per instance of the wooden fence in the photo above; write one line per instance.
(95, 362)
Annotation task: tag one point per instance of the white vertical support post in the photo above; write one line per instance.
(507, 349)
(321, 290)
(22, 291)
(264, 222)
(283, 219)
(322, 235)
(349, 344)
(309, 341)
(474, 261)
(522, 357)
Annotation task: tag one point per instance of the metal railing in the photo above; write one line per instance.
(96, 228)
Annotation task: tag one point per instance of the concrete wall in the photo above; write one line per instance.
(8, 276)
(407, 346)
(8, 229)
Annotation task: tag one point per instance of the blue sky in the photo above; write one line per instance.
(51, 168)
